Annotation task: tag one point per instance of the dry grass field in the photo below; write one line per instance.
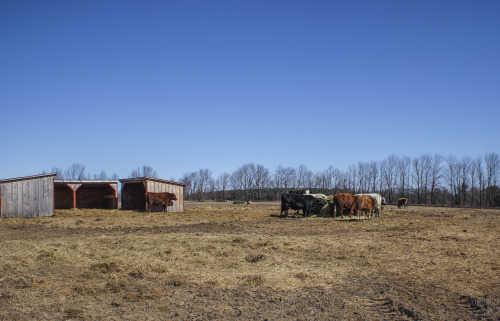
(225, 261)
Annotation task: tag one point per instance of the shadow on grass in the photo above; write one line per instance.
(337, 218)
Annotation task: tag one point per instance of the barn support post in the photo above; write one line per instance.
(74, 187)
(146, 194)
(116, 194)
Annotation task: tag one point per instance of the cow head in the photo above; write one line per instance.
(173, 197)
(383, 201)
(320, 201)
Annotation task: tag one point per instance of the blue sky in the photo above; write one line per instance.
(184, 85)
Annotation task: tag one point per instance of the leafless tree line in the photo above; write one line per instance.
(77, 171)
(427, 179)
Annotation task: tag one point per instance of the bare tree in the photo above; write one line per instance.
(403, 173)
(481, 181)
(373, 176)
(101, 176)
(451, 173)
(304, 177)
(279, 180)
(242, 179)
(223, 184)
(204, 182)
(59, 172)
(145, 171)
(436, 174)
(328, 180)
(191, 181)
(289, 178)
(465, 166)
(351, 176)
(75, 171)
(363, 176)
(426, 175)
(492, 163)
(261, 181)
(473, 180)
(389, 175)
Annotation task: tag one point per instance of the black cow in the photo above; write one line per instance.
(299, 202)
(299, 191)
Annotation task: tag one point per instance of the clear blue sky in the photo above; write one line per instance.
(184, 85)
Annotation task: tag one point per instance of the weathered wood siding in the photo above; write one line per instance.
(27, 197)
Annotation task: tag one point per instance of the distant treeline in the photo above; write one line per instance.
(430, 179)
(78, 171)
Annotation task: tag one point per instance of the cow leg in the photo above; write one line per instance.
(284, 209)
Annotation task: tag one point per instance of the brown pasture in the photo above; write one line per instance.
(227, 261)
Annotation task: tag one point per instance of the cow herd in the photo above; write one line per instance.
(360, 204)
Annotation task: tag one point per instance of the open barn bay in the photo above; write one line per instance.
(228, 261)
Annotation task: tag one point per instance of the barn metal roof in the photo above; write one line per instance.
(140, 179)
(86, 181)
(26, 177)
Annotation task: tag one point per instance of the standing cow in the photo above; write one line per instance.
(364, 203)
(341, 201)
(402, 202)
(159, 199)
(378, 202)
(299, 202)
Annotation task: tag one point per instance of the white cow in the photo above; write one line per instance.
(322, 196)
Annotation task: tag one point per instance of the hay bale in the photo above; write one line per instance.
(327, 209)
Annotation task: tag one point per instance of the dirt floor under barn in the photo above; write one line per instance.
(228, 261)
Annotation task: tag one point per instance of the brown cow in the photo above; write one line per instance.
(342, 200)
(402, 202)
(364, 203)
(159, 199)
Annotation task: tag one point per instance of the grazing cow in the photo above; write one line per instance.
(299, 202)
(341, 201)
(402, 202)
(378, 202)
(364, 203)
(299, 191)
(159, 199)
